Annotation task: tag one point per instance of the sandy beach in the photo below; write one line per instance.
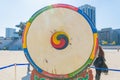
(12, 57)
(18, 72)
(112, 58)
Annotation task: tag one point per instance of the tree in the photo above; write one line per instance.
(21, 28)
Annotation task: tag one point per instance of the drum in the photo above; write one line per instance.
(60, 41)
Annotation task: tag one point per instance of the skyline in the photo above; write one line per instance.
(13, 12)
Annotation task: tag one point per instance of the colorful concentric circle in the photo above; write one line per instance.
(43, 49)
(59, 40)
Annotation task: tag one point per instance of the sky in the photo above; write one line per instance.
(12, 12)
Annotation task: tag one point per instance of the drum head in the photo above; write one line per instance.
(60, 41)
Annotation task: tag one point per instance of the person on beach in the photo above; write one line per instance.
(100, 64)
(118, 49)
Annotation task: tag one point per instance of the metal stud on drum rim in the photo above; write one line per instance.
(60, 41)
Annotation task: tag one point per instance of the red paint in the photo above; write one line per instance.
(55, 75)
(58, 46)
(65, 6)
(34, 72)
(90, 74)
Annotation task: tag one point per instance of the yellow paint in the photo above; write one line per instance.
(25, 34)
(92, 56)
(55, 37)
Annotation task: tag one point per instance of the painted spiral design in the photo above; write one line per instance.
(59, 40)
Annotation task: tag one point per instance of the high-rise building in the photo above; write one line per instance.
(90, 11)
(105, 35)
(109, 35)
(116, 36)
(10, 33)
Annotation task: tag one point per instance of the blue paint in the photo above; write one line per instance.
(31, 61)
(94, 30)
(62, 36)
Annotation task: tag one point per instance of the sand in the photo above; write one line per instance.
(11, 57)
(112, 60)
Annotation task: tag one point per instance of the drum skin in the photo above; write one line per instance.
(60, 41)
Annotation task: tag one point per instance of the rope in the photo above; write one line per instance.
(7, 66)
(117, 70)
(27, 64)
(11, 65)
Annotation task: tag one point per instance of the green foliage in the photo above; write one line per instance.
(21, 28)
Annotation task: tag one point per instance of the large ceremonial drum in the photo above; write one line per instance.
(60, 41)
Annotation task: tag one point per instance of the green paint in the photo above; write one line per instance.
(74, 73)
(89, 61)
(42, 79)
(39, 12)
(61, 79)
(36, 77)
(86, 78)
